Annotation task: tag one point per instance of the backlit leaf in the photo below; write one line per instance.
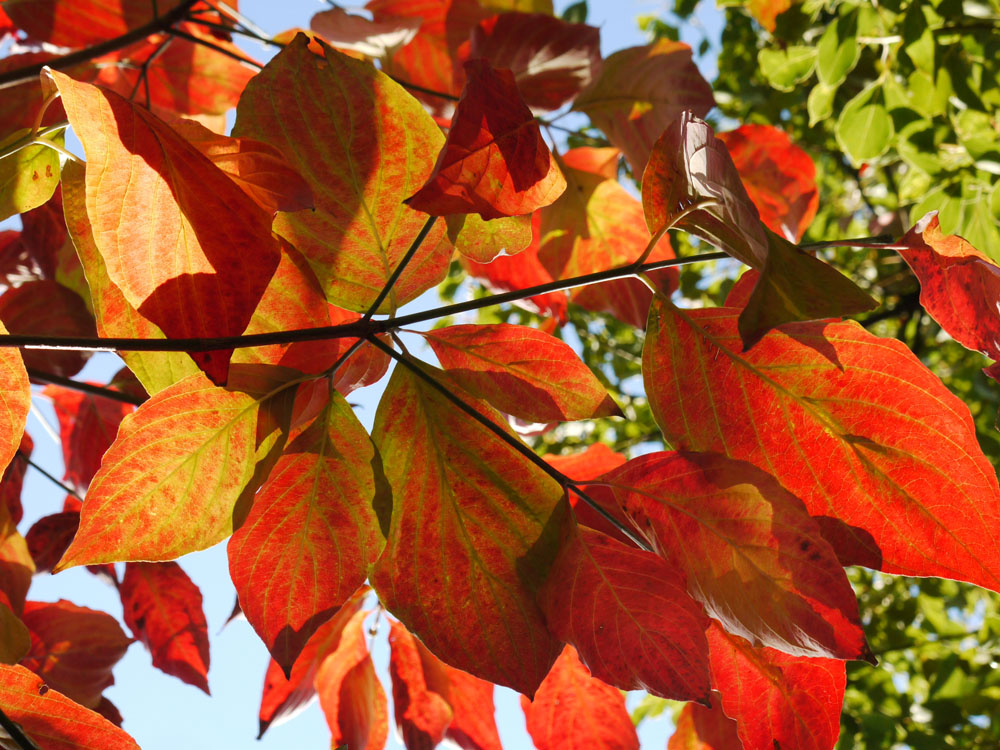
(494, 162)
(422, 714)
(349, 31)
(854, 425)
(16, 566)
(182, 470)
(74, 648)
(572, 709)
(176, 235)
(467, 511)
(27, 177)
(79, 23)
(629, 616)
(640, 91)
(16, 401)
(521, 371)
(13, 478)
(308, 108)
(700, 728)
(482, 241)
(51, 719)
(15, 640)
(47, 308)
(591, 463)
(162, 607)
(49, 538)
(312, 532)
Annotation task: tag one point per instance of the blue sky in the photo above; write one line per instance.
(161, 712)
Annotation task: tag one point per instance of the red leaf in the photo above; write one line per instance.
(572, 709)
(422, 714)
(285, 696)
(88, 425)
(48, 309)
(51, 719)
(521, 371)
(852, 424)
(13, 475)
(351, 695)
(347, 31)
(474, 726)
(700, 728)
(50, 537)
(74, 648)
(80, 23)
(959, 286)
(174, 237)
(779, 177)
(628, 614)
(312, 533)
(640, 91)
(360, 230)
(777, 700)
(162, 607)
(751, 553)
(467, 509)
(494, 162)
(552, 60)
(591, 463)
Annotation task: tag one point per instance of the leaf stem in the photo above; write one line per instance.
(77, 385)
(16, 733)
(30, 72)
(400, 267)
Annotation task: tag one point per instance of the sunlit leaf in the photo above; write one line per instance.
(349, 31)
(700, 728)
(79, 23)
(28, 176)
(47, 308)
(422, 714)
(482, 241)
(16, 402)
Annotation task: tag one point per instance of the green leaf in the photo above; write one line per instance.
(838, 50)
(864, 128)
(29, 176)
(784, 68)
(820, 103)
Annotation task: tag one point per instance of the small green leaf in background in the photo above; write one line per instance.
(28, 177)
(864, 128)
(838, 50)
(784, 68)
(820, 103)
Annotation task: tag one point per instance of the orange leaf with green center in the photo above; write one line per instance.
(312, 532)
(309, 108)
(51, 719)
(185, 245)
(469, 514)
(521, 371)
(629, 616)
(572, 709)
(182, 471)
(494, 162)
(853, 424)
(749, 550)
(162, 607)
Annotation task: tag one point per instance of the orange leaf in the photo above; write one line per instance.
(348, 31)
(494, 162)
(54, 721)
(16, 403)
(572, 709)
(700, 728)
(162, 607)
(521, 371)
(853, 424)
(80, 23)
(175, 236)
(422, 714)
(628, 614)
(312, 532)
(597, 459)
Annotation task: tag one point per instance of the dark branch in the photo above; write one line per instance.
(77, 385)
(430, 92)
(221, 50)
(401, 266)
(66, 488)
(16, 733)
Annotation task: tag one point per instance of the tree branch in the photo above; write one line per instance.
(65, 487)
(16, 733)
(163, 23)
(400, 267)
(78, 385)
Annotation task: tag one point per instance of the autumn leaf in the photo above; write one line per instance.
(16, 565)
(467, 510)
(854, 425)
(15, 640)
(28, 176)
(313, 531)
(181, 472)
(349, 31)
(49, 538)
(16, 402)
(79, 23)
(162, 607)
(629, 616)
(640, 91)
(571, 709)
(701, 728)
(422, 714)
(521, 371)
(483, 241)
(51, 719)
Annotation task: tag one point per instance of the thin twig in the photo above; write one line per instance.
(430, 92)
(881, 241)
(401, 266)
(221, 50)
(77, 385)
(65, 487)
(16, 733)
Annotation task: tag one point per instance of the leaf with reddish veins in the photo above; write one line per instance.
(80, 23)
(482, 241)
(175, 237)
(854, 425)
(51, 719)
(777, 700)
(46, 308)
(352, 698)
(74, 648)
(162, 607)
(700, 728)
(422, 714)
(628, 614)
(307, 107)
(741, 539)
(283, 696)
(574, 710)
(312, 532)
(112, 312)
(640, 91)
(959, 286)
(552, 60)
(467, 511)
(182, 470)
(779, 177)
(349, 31)
(521, 371)
(88, 425)
(494, 162)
